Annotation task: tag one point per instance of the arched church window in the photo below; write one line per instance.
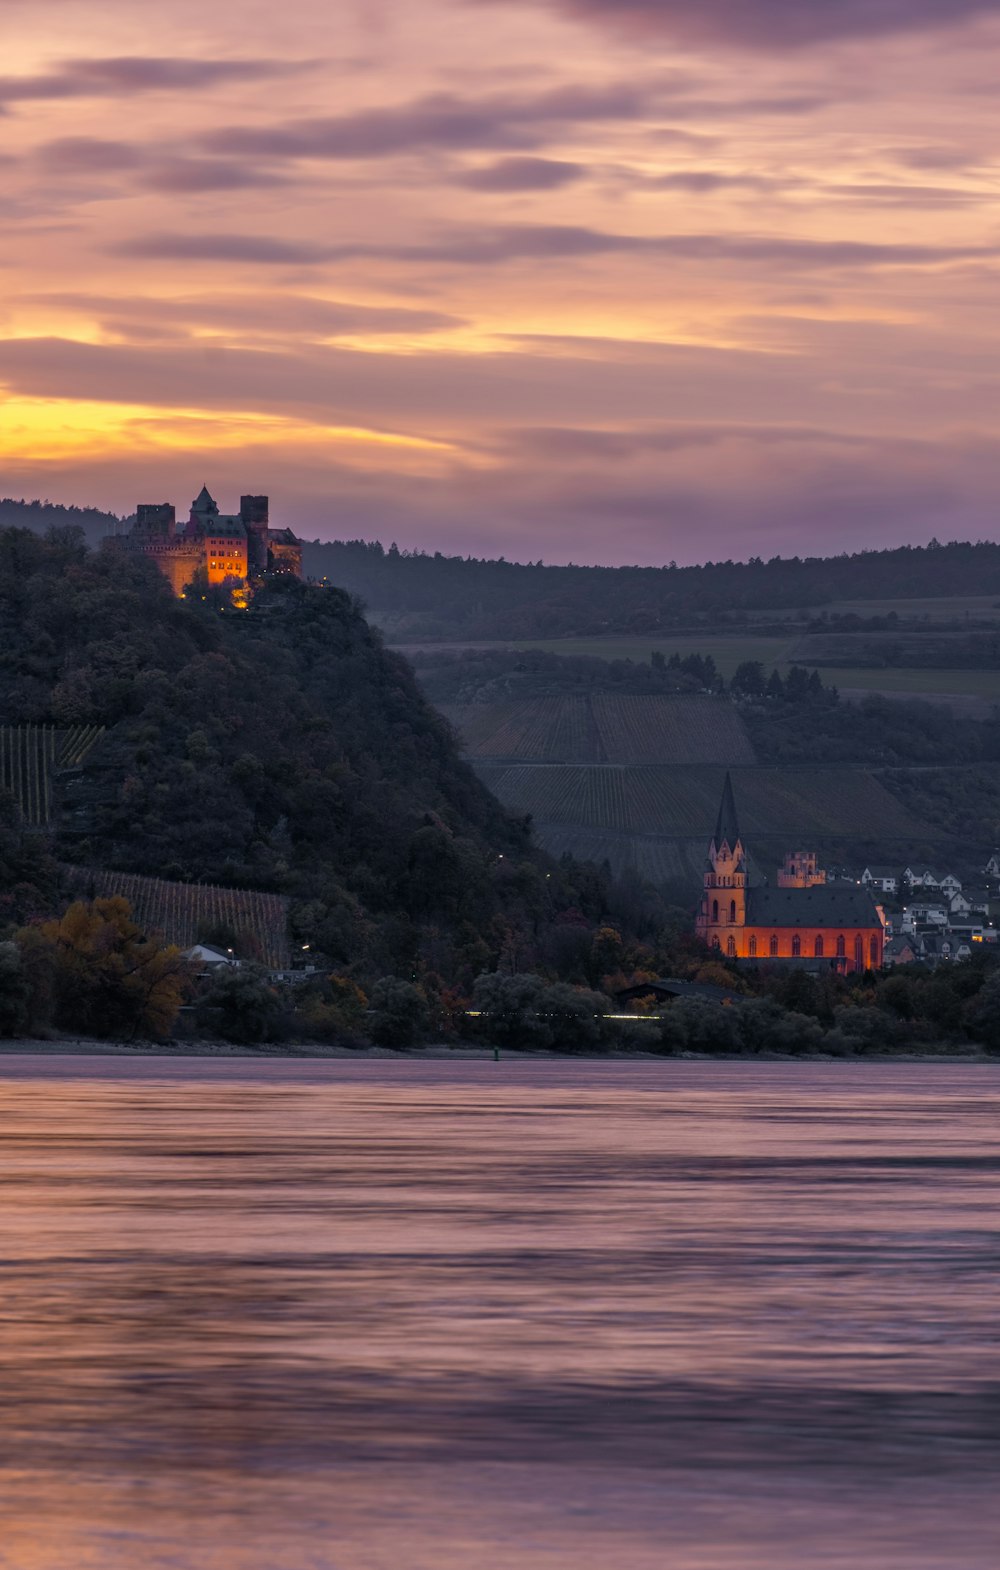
(731, 948)
(873, 953)
(732, 913)
(715, 910)
(841, 947)
(774, 944)
(715, 942)
(796, 947)
(818, 948)
(859, 952)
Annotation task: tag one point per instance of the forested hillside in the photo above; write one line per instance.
(41, 516)
(436, 596)
(282, 749)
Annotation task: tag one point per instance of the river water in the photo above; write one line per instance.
(390, 1315)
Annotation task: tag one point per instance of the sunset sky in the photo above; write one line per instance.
(590, 280)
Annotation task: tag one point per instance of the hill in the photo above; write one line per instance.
(418, 595)
(281, 749)
(41, 516)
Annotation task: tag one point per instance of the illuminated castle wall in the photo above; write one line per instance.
(229, 547)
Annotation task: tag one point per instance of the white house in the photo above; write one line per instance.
(885, 879)
(992, 867)
(921, 878)
(950, 884)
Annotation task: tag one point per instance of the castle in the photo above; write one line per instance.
(802, 919)
(225, 546)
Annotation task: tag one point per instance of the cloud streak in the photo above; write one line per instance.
(775, 24)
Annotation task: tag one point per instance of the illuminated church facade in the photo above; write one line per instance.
(231, 548)
(801, 919)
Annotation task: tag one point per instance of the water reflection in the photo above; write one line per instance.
(276, 1316)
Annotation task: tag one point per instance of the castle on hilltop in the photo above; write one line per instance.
(802, 920)
(226, 546)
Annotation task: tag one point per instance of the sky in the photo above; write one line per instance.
(568, 280)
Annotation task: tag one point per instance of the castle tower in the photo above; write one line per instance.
(255, 513)
(801, 870)
(204, 509)
(723, 915)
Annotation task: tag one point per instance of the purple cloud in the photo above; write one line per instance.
(435, 121)
(522, 174)
(221, 248)
(127, 74)
(776, 24)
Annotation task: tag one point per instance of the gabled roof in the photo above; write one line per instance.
(727, 825)
(825, 905)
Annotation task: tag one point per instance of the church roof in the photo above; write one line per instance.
(727, 826)
(825, 905)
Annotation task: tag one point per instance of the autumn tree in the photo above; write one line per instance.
(107, 977)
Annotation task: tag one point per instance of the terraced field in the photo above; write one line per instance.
(179, 911)
(30, 755)
(605, 728)
(683, 802)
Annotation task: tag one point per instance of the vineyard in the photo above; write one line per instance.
(30, 755)
(794, 804)
(605, 728)
(178, 912)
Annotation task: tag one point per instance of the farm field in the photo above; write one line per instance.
(772, 652)
(910, 683)
(29, 757)
(799, 805)
(605, 728)
(947, 608)
(727, 652)
(179, 910)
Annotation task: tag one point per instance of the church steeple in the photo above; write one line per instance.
(723, 912)
(205, 502)
(727, 828)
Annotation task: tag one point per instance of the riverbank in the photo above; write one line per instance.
(442, 1052)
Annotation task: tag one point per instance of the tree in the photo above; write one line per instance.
(510, 1009)
(15, 991)
(749, 680)
(240, 1006)
(398, 1013)
(107, 977)
(983, 1013)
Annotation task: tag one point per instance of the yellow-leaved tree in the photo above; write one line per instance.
(104, 975)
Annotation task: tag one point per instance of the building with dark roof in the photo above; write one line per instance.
(800, 918)
(233, 548)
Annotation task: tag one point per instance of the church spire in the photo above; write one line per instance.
(727, 827)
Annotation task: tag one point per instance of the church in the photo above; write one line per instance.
(800, 919)
(225, 548)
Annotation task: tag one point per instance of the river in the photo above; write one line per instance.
(533, 1315)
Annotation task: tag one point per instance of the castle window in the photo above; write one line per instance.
(841, 947)
(731, 948)
(732, 912)
(818, 948)
(715, 910)
(796, 947)
(774, 944)
(753, 948)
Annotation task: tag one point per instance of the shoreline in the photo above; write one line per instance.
(441, 1052)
